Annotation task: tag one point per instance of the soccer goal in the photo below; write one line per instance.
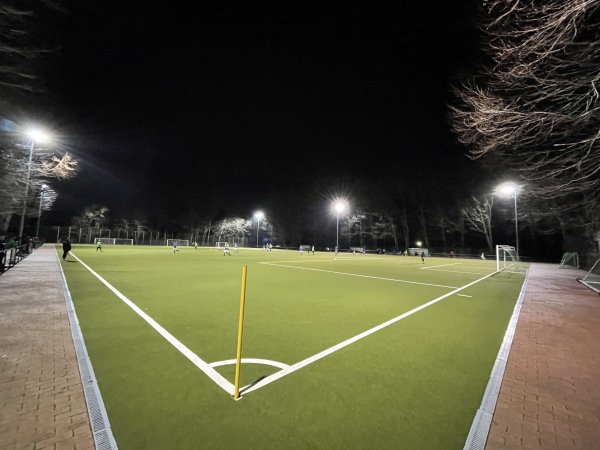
(570, 260)
(506, 257)
(592, 278)
(105, 241)
(180, 242)
(123, 241)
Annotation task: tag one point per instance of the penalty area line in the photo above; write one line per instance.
(358, 275)
(197, 361)
(347, 342)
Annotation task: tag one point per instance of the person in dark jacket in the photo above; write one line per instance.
(66, 248)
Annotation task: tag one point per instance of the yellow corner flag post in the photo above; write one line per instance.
(238, 363)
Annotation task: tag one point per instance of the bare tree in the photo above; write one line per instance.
(28, 35)
(478, 214)
(536, 108)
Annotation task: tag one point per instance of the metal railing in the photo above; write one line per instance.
(9, 257)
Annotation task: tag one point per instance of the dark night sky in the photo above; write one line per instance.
(170, 109)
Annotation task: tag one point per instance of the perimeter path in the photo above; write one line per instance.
(42, 403)
(550, 394)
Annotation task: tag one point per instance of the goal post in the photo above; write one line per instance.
(105, 241)
(180, 242)
(592, 278)
(506, 257)
(570, 260)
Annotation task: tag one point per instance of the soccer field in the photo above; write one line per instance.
(353, 352)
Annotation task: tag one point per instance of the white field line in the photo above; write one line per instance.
(266, 362)
(457, 271)
(329, 351)
(439, 265)
(435, 268)
(202, 365)
(358, 275)
(306, 260)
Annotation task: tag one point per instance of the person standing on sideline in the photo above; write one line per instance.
(99, 245)
(423, 256)
(174, 246)
(66, 248)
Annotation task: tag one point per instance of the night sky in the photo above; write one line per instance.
(223, 107)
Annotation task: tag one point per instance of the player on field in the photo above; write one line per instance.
(235, 248)
(226, 249)
(423, 256)
(174, 246)
(99, 246)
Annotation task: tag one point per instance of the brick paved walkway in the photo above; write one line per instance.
(42, 405)
(550, 394)
(549, 399)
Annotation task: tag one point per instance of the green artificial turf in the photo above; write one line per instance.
(414, 384)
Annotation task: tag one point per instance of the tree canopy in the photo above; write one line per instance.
(536, 107)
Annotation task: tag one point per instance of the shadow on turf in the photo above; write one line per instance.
(252, 384)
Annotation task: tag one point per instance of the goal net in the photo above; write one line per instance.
(592, 278)
(123, 241)
(179, 242)
(105, 241)
(570, 260)
(506, 257)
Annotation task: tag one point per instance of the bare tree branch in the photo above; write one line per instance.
(537, 108)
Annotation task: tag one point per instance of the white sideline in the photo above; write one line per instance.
(347, 342)
(358, 275)
(202, 365)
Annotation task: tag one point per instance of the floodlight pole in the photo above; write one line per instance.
(337, 232)
(37, 231)
(516, 226)
(257, 228)
(258, 215)
(24, 211)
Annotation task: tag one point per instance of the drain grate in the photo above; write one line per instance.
(480, 428)
(103, 437)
